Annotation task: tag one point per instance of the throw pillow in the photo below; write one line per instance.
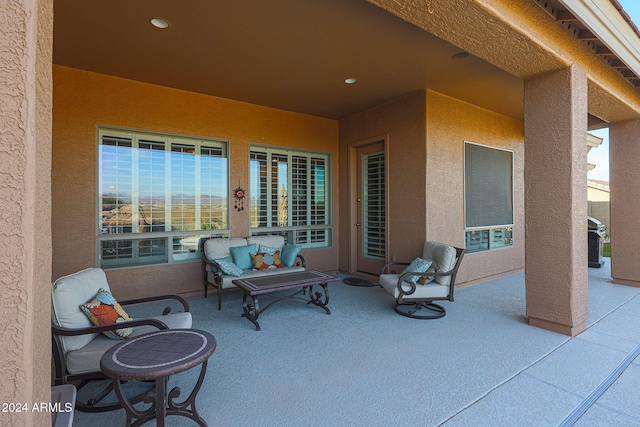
(268, 249)
(262, 261)
(228, 267)
(418, 265)
(103, 309)
(425, 280)
(289, 253)
(242, 255)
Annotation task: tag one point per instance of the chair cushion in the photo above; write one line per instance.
(443, 257)
(389, 283)
(229, 267)
(219, 248)
(418, 265)
(103, 309)
(87, 359)
(67, 294)
(275, 241)
(242, 255)
(289, 253)
(263, 260)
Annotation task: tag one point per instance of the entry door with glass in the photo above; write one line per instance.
(371, 224)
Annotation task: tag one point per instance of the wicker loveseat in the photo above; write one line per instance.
(215, 250)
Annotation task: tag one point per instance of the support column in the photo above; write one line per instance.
(26, 45)
(556, 201)
(624, 180)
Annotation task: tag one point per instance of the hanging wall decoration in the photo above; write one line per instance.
(239, 194)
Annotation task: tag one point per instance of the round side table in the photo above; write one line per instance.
(155, 356)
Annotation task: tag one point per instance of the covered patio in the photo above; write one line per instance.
(272, 84)
(364, 365)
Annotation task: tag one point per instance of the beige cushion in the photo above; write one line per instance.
(433, 290)
(67, 294)
(219, 248)
(87, 359)
(443, 256)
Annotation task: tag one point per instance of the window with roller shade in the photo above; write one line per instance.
(158, 195)
(289, 195)
(488, 193)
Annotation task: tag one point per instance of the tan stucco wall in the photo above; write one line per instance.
(403, 123)
(426, 133)
(25, 238)
(83, 100)
(624, 178)
(449, 124)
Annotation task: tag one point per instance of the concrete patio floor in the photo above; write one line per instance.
(364, 365)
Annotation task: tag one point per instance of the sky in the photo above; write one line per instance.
(600, 155)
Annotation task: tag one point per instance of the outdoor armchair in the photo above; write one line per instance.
(429, 278)
(78, 345)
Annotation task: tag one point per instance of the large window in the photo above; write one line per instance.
(289, 195)
(158, 195)
(488, 192)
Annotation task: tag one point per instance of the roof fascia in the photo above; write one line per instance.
(604, 20)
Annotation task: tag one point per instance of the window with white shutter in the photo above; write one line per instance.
(158, 195)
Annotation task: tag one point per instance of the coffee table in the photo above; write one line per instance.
(155, 356)
(255, 286)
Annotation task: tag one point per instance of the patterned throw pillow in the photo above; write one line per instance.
(228, 267)
(418, 265)
(268, 249)
(103, 309)
(428, 279)
(262, 261)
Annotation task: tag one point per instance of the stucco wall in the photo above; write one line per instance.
(426, 133)
(83, 100)
(449, 124)
(25, 251)
(403, 123)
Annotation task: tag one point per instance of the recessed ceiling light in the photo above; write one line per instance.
(350, 80)
(159, 22)
(459, 56)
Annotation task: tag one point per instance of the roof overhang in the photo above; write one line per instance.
(608, 22)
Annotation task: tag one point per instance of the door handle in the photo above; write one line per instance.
(358, 225)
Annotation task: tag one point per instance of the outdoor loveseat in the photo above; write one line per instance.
(228, 259)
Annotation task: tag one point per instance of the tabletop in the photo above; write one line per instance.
(157, 354)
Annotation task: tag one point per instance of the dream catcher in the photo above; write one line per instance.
(239, 194)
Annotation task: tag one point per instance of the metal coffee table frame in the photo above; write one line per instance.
(253, 287)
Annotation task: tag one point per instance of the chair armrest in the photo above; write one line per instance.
(185, 304)
(68, 332)
(302, 262)
(389, 264)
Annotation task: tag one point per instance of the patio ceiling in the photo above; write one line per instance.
(287, 54)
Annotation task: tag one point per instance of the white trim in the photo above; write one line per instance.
(604, 20)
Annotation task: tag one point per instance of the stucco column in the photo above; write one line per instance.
(26, 35)
(556, 200)
(624, 179)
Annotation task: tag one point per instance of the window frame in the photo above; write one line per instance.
(173, 254)
(291, 232)
(493, 228)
